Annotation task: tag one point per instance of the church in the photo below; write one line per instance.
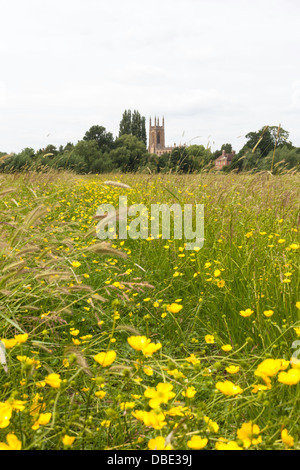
(157, 138)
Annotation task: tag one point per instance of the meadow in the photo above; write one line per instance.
(142, 344)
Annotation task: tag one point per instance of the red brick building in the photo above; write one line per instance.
(224, 159)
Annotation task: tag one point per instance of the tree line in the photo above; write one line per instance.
(98, 151)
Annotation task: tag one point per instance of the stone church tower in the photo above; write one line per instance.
(157, 138)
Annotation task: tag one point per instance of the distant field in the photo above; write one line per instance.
(142, 344)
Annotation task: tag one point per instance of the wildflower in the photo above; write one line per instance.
(229, 445)
(286, 438)
(13, 443)
(9, 343)
(259, 387)
(292, 377)
(297, 331)
(18, 405)
(162, 394)
(138, 342)
(246, 313)
(127, 405)
(190, 392)
(268, 313)
(105, 358)
(148, 370)
(21, 338)
(74, 332)
(159, 443)
(151, 348)
(232, 369)
(294, 246)
(298, 305)
(37, 406)
(178, 411)
(211, 425)
(209, 339)
(100, 394)
(68, 440)
(193, 359)
(42, 420)
(249, 434)
(76, 264)
(249, 234)
(197, 442)
(217, 273)
(53, 380)
(5, 414)
(105, 423)
(268, 368)
(174, 308)
(177, 374)
(228, 388)
(226, 347)
(153, 418)
(221, 283)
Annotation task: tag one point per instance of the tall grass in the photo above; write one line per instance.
(75, 296)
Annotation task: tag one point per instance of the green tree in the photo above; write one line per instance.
(132, 123)
(87, 151)
(129, 153)
(104, 139)
(125, 123)
(266, 138)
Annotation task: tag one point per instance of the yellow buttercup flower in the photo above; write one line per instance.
(193, 359)
(22, 338)
(212, 426)
(159, 443)
(246, 313)
(68, 440)
(209, 339)
(161, 394)
(232, 369)
(151, 348)
(42, 420)
(5, 414)
(197, 442)
(76, 264)
(153, 418)
(226, 347)
(9, 343)
(268, 313)
(268, 368)
(13, 443)
(249, 434)
(286, 438)
(229, 445)
(53, 380)
(292, 377)
(190, 392)
(138, 342)
(105, 358)
(228, 388)
(174, 308)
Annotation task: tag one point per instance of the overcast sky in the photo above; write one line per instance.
(214, 69)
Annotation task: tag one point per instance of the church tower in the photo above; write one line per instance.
(156, 137)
